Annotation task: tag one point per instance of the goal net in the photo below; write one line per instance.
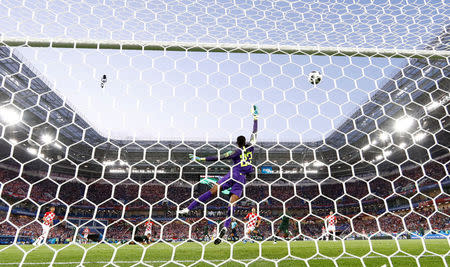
(108, 108)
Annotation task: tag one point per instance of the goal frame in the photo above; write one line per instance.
(224, 47)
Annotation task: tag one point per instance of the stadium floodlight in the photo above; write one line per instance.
(13, 141)
(365, 147)
(402, 145)
(318, 164)
(58, 146)
(387, 153)
(46, 138)
(384, 136)
(9, 115)
(419, 136)
(379, 157)
(32, 150)
(403, 124)
(118, 171)
(433, 105)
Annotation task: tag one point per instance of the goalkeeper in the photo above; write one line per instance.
(236, 178)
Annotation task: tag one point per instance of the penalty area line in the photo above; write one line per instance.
(188, 261)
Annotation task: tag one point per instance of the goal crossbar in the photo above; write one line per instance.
(224, 47)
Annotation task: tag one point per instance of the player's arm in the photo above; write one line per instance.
(255, 114)
(258, 223)
(227, 155)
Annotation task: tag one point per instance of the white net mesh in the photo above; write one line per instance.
(101, 104)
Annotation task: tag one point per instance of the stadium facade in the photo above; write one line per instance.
(365, 160)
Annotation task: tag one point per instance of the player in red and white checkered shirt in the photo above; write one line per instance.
(85, 235)
(253, 221)
(47, 222)
(330, 222)
(148, 230)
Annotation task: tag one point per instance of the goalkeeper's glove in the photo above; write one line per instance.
(195, 158)
(255, 112)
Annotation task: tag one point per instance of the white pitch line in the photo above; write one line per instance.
(187, 261)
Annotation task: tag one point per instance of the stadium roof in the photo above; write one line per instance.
(407, 93)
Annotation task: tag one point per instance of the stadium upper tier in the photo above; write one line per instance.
(370, 141)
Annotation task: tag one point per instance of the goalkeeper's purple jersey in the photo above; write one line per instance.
(242, 159)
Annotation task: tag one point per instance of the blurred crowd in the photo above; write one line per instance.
(391, 203)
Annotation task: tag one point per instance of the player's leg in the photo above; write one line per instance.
(254, 234)
(250, 234)
(246, 231)
(45, 231)
(276, 234)
(206, 196)
(237, 188)
(334, 235)
(231, 209)
(35, 243)
(227, 223)
(258, 233)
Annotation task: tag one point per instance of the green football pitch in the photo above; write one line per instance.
(295, 253)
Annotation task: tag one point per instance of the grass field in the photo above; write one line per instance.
(265, 254)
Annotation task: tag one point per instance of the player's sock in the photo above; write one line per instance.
(183, 211)
(221, 234)
(202, 198)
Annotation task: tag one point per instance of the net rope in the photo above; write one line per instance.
(370, 142)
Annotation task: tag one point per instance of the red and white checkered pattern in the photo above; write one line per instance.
(331, 220)
(148, 226)
(252, 220)
(48, 218)
(86, 231)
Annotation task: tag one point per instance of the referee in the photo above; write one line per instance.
(234, 230)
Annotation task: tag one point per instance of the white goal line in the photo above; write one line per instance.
(223, 47)
(217, 260)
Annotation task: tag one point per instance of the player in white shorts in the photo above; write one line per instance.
(330, 221)
(253, 222)
(47, 222)
(85, 235)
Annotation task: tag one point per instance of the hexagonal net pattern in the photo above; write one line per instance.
(117, 117)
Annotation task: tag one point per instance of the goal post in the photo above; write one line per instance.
(223, 47)
(115, 116)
